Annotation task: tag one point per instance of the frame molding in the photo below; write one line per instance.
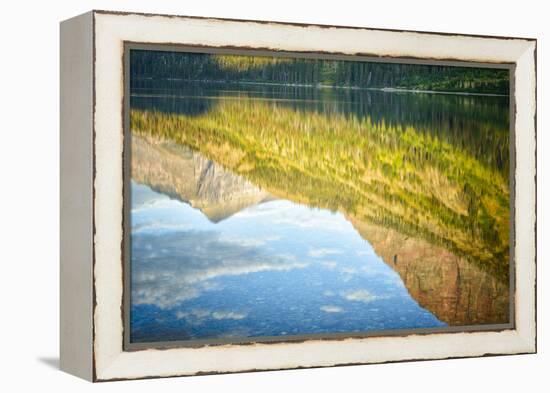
(109, 31)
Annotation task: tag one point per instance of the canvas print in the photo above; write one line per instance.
(282, 196)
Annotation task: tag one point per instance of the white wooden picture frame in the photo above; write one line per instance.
(92, 194)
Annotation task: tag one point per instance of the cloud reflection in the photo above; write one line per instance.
(321, 252)
(361, 295)
(331, 309)
(199, 316)
(171, 268)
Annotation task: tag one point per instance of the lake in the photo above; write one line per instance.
(263, 210)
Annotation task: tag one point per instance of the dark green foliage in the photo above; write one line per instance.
(297, 71)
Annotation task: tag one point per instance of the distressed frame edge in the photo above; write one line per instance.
(526, 187)
(527, 339)
(304, 24)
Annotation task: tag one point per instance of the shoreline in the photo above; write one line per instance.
(321, 86)
(460, 93)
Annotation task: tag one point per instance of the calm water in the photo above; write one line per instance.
(214, 254)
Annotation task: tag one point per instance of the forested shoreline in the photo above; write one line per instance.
(145, 64)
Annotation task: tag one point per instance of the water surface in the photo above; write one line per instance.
(397, 219)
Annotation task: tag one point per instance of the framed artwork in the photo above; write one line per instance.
(245, 195)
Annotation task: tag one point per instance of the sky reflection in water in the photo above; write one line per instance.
(273, 269)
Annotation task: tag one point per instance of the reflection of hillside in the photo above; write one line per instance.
(394, 176)
(178, 172)
(450, 287)
(478, 125)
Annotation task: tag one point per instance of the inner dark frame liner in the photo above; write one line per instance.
(126, 221)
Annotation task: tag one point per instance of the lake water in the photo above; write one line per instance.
(218, 254)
